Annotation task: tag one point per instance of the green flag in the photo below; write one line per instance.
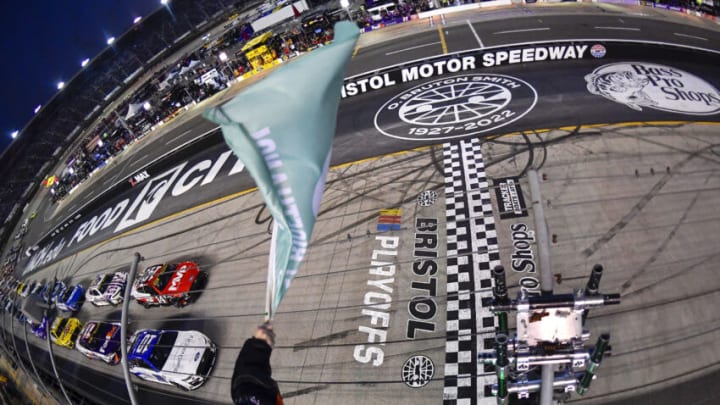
(282, 129)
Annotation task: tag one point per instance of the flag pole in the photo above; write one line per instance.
(270, 288)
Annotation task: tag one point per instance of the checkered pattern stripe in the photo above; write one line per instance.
(472, 250)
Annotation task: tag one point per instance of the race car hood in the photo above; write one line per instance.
(186, 354)
(112, 290)
(100, 338)
(40, 329)
(73, 299)
(112, 342)
(183, 279)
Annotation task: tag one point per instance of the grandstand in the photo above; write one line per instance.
(94, 91)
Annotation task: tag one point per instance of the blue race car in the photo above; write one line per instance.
(40, 329)
(70, 299)
(57, 289)
(180, 358)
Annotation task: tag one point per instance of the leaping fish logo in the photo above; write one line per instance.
(624, 87)
(644, 85)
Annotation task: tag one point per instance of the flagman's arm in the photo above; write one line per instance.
(252, 381)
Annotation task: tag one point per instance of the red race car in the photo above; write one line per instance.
(166, 284)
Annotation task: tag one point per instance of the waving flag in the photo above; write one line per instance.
(282, 129)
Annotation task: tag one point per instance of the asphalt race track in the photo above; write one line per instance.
(623, 134)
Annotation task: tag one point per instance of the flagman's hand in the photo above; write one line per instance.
(265, 332)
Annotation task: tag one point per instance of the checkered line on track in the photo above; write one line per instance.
(472, 251)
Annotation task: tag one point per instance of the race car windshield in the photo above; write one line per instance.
(98, 338)
(66, 295)
(61, 325)
(164, 277)
(162, 349)
(104, 283)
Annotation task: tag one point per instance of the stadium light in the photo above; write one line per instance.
(85, 62)
(147, 106)
(345, 4)
(223, 57)
(164, 2)
(14, 134)
(137, 20)
(71, 170)
(37, 108)
(60, 85)
(110, 40)
(100, 143)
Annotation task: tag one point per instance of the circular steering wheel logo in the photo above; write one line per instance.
(454, 103)
(418, 371)
(456, 107)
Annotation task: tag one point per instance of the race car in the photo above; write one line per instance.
(39, 329)
(107, 289)
(71, 299)
(9, 305)
(50, 292)
(32, 286)
(57, 291)
(23, 290)
(100, 340)
(64, 331)
(37, 287)
(165, 284)
(180, 358)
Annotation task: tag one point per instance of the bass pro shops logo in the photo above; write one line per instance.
(640, 84)
(456, 107)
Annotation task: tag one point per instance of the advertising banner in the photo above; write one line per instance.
(510, 198)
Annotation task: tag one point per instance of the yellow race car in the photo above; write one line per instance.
(20, 288)
(64, 331)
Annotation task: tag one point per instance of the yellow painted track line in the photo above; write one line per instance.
(355, 51)
(442, 39)
(628, 124)
(370, 159)
(166, 218)
(405, 152)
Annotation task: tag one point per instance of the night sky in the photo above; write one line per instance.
(44, 41)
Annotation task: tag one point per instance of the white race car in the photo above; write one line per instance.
(107, 289)
(180, 358)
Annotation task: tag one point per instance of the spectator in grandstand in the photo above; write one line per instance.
(252, 382)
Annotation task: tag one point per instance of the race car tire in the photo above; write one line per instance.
(146, 305)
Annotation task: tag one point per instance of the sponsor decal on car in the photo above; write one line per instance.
(177, 278)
